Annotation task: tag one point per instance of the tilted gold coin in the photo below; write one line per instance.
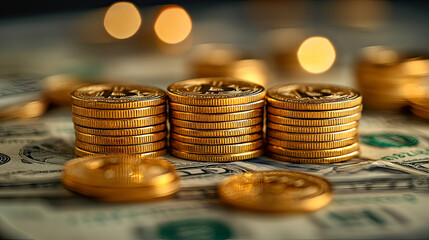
(325, 160)
(300, 153)
(217, 109)
(312, 145)
(118, 123)
(216, 140)
(218, 91)
(313, 122)
(217, 157)
(276, 191)
(123, 131)
(217, 133)
(322, 129)
(317, 137)
(216, 149)
(25, 110)
(154, 154)
(120, 140)
(114, 96)
(120, 177)
(313, 97)
(216, 125)
(130, 149)
(218, 117)
(119, 113)
(315, 114)
(57, 88)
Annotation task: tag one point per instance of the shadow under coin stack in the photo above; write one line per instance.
(309, 123)
(112, 118)
(216, 119)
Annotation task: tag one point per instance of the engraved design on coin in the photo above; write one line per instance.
(4, 158)
(389, 140)
(312, 93)
(49, 151)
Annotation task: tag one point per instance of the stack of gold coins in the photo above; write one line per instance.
(311, 123)
(120, 178)
(216, 119)
(420, 106)
(387, 78)
(113, 118)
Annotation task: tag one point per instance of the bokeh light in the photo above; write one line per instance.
(173, 24)
(122, 20)
(316, 54)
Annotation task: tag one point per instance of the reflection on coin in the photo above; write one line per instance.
(216, 140)
(312, 145)
(217, 157)
(318, 137)
(276, 191)
(313, 97)
(335, 159)
(121, 123)
(119, 113)
(217, 109)
(314, 114)
(154, 154)
(217, 149)
(219, 117)
(120, 140)
(216, 125)
(111, 96)
(130, 149)
(318, 153)
(217, 132)
(123, 131)
(215, 92)
(313, 122)
(300, 129)
(24, 110)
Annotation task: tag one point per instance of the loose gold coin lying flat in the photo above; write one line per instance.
(119, 113)
(215, 92)
(313, 153)
(299, 129)
(120, 177)
(121, 132)
(216, 125)
(120, 140)
(217, 133)
(313, 97)
(154, 154)
(335, 159)
(312, 145)
(315, 114)
(216, 140)
(118, 123)
(276, 191)
(217, 109)
(421, 114)
(313, 122)
(113, 96)
(25, 110)
(317, 137)
(219, 117)
(216, 149)
(130, 149)
(217, 157)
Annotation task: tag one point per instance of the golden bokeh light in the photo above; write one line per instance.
(173, 24)
(316, 54)
(122, 20)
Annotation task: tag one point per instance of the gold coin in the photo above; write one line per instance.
(218, 117)
(313, 122)
(422, 102)
(276, 191)
(317, 137)
(120, 140)
(25, 110)
(58, 88)
(312, 145)
(217, 133)
(118, 123)
(218, 91)
(216, 149)
(130, 149)
(217, 157)
(421, 114)
(216, 125)
(315, 114)
(121, 132)
(299, 129)
(216, 140)
(154, 154)
(300, 153)
(119, 113)
(335, 159)
(112, 96)
(313, 97)
(217, 109)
